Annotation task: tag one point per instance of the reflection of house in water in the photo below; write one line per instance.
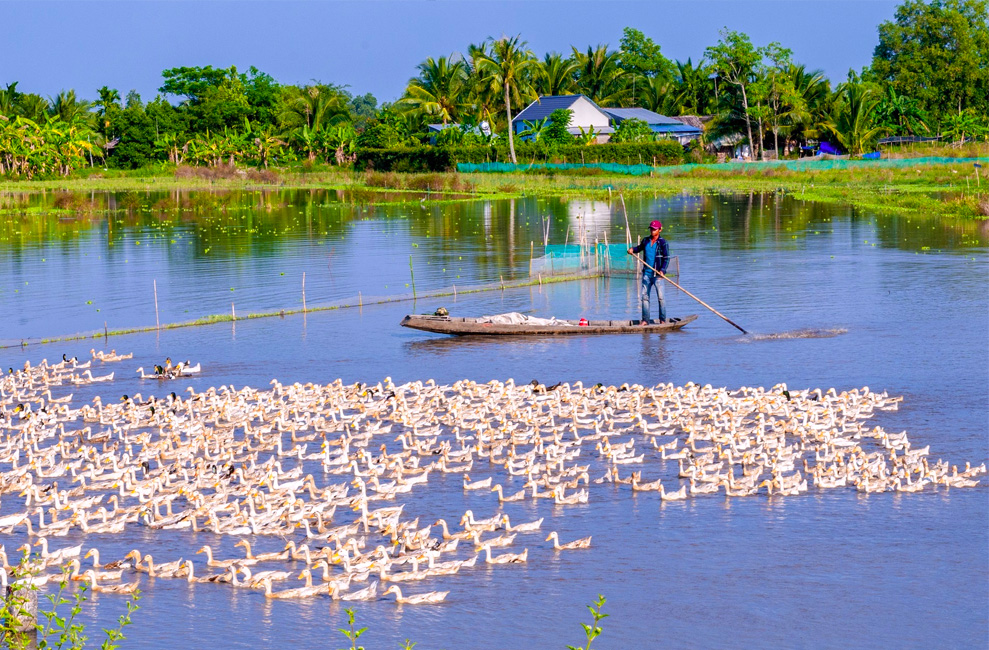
(593, 216)
(486, 218)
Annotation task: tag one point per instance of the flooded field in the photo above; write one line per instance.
(832, 298)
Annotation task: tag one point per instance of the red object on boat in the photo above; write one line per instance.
(582, 322)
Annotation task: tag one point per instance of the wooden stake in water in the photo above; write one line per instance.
(532, 250)
(106, 333)
(413, 274)
(157, 322)
(454, 293)
(502, 282)
(303, 292)
(360, 300)
(233, 312)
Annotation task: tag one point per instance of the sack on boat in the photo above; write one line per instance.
(515, 318)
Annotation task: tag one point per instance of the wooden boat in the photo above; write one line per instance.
(477, 327)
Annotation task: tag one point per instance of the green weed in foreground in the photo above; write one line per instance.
(57, 632)
(593, 630)
(350, 632)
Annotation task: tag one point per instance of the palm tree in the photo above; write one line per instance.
(556, 75)
(599, 76)
(31, 106)
(484, 96)
(69, 109)
(313, 106)
(692, 88)
(8, 100)
(813, 90)
(108, 97)
(510, 65)
(439, 88)
(655, 94)
(851, 122)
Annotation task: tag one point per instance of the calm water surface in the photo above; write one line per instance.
(822, 570)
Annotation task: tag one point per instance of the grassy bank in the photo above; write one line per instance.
(942, 190)
(937, 190)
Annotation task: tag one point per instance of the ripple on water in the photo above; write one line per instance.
(809, 333)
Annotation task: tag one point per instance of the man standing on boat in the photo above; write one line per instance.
(656, 254)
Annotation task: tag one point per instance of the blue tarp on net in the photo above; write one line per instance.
(604, 259)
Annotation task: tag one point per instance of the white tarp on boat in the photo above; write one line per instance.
(515, 318)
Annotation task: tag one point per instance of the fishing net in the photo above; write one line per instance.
(595, 259)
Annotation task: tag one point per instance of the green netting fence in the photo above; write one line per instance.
(806, 164)
(593, 259)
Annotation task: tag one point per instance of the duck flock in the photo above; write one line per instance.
(322, 474)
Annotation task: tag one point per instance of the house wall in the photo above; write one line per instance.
(585, 114)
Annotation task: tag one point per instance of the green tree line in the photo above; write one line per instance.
(929, 76)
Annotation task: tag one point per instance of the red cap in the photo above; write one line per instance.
(655, 225)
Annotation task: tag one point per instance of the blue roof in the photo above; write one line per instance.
(542, 107)
(679, 127)
(647, 116)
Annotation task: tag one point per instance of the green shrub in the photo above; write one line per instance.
(438, 159)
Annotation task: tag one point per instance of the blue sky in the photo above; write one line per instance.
(374, 45)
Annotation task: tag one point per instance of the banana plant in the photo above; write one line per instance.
(534, 129)
(587, 137)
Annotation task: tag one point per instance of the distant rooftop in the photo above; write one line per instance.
(647, 116)
(542, 107)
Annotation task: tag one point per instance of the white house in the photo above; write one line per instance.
(587, 114)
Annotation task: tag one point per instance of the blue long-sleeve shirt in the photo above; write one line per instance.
(656, 255)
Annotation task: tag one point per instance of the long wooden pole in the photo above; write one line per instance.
(725, 318)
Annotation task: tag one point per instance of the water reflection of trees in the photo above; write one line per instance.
(497, 234)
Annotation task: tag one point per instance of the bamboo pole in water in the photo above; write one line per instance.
(413, 274)
(723, 317)
(233, 312)
(628, 230)
(303, 292)
(157, 322)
